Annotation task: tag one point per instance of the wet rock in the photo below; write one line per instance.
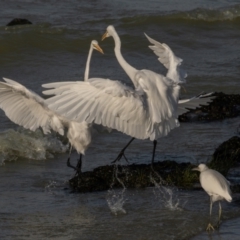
(221, 107)
(18, 21)
(170, 173)
(135, 176)
(167, 173)
(226, 156)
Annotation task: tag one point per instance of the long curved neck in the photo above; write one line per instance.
(86, 74)
(130, 71)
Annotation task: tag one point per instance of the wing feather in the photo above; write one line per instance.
(167, 57)
(24, 107)
(105, 102)
(186, 104)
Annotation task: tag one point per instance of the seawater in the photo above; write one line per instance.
(36, 202)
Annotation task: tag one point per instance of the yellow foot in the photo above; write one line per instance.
(210, 227)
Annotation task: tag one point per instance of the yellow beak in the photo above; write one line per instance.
(97, 47)
(104, 35)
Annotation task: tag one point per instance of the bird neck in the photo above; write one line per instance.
(130, 71)
(86, 74)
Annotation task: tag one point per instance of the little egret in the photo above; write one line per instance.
(216, 186)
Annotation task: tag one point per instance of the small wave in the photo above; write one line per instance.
(211, 15)
(231, 13)
(21, 143)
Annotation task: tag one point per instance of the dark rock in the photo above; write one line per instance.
(135, 176)
(170, 173)
(18, 21)
(221, 107)
(167, 173)
(226, 155)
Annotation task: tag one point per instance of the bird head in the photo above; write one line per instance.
(95, 46)
(201, 167)
(109, 32)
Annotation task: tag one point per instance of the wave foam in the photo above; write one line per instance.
(23, 143)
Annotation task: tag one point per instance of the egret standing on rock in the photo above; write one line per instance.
(149, 111)
(216, 186)
(161, 92)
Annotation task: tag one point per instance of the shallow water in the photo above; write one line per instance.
(36, 202)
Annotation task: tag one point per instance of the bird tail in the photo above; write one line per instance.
(229, 198)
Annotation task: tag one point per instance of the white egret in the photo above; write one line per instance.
(148, 111)
(28, 109)
(169, 90)
(216, 186)
(94, 45)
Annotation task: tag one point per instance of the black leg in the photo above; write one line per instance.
(69, 164)
(154, 148)
(78, 168)
(68, 161)
(79, 165)
(121, 154)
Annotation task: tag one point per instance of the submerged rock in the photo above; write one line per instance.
(221, 107)
(18, 21)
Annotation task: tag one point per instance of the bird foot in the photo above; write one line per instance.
(210, 227)
(77, 169)
(120, 155)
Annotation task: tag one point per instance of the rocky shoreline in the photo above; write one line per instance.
(170, 173)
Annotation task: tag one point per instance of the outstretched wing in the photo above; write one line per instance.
(194, 102)
(102, 101)
(169, 60)
(27, 109)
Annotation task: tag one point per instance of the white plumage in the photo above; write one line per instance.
(27, 109)
(148, 111)
(215, 185)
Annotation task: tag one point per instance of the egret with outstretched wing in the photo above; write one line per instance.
(150, 110)
(162, 91)
(28, 109)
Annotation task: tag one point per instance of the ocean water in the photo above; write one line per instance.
(36, 202)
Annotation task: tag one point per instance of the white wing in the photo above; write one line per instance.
(169, 60)
(186, 104)
(102, 101)
(26, 108)
(214, 183)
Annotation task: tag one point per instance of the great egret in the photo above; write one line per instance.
(216, 186)
(94, 45)
(27, 109)
(162, 109)
(148, 111)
